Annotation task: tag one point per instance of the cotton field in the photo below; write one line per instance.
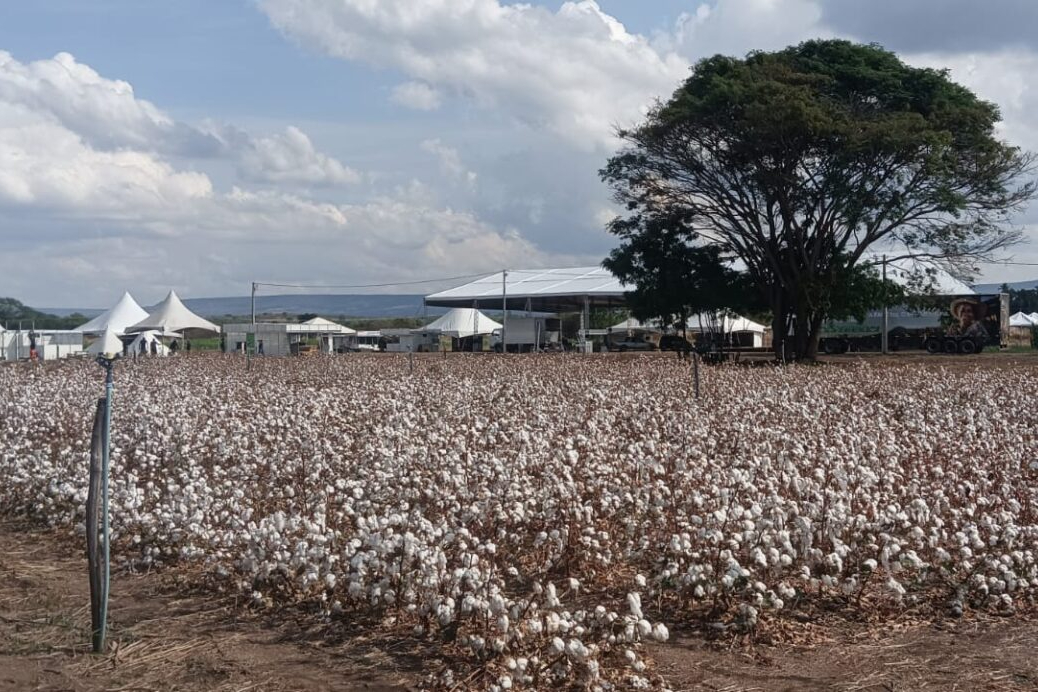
(544, 517)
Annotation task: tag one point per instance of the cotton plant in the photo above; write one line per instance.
(542, 517)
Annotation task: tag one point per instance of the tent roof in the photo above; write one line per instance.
(109, 344)
(565, 289)
(329, 326)
(462, 322)
(544, 290)
(171, 315)
(119, 317)
(1022, 319)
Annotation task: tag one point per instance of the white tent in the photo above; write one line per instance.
(329, 326)
(117, 318)
(462, 322)
(171, 315)
(1034, 316)
(151, 342)
(109, 344)
(1022, 319)
(729, 324)
(700, 323)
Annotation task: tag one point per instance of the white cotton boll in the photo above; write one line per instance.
(329, 580)
(870, 565)
(505, 681)
(576, 650)
(630, 656)
(557, 646)
(639, 581)
(660, 632)
(644, 628)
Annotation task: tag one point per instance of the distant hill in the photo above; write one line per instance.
(373, 305)
(1016, 286)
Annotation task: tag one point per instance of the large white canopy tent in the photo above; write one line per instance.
(1022, 319)
(118, 318)
(171, 315)
(461, 323)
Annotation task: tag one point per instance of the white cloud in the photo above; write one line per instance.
(44, 163)
(291, 157)
(577, 72)
(450, 161)
(107, 116)
(417, 95)
(735, 27)
(113, 206)
(1006, 78)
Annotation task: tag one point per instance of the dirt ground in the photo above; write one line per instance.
(169, 635)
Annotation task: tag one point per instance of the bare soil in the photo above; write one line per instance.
(168, 634)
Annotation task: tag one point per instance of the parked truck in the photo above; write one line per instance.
(937, 324)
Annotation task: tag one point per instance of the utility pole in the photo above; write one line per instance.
(504, 310)
(253, 303)
(886, 313)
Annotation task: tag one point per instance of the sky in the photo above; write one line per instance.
(203, 145)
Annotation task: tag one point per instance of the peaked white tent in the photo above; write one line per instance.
(461, 323)
(109, 344)
(1034, 316)
(171, 315)
(1022, 319)
(117, 318)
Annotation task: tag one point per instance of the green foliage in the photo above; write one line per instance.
(1024, 300)
(674, 277)
(797, 162)
(14, 311)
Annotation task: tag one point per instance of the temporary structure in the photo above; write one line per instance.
(109, 344)
(698, 323)
(117, 318)
(328, 326)
(152, 344)
(460, 323)
(1022, 319)
(729, 324)
(171, 315)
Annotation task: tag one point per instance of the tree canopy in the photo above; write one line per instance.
(803, 163)
(673, 276)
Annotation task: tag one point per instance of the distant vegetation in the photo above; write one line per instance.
(1025, 300)
(14, 311)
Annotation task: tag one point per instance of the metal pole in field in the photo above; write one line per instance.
(504, 310)
(886, 312)
(253, 303)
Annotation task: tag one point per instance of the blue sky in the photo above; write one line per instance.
(333, 140)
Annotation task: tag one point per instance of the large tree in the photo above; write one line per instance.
(802, 162)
